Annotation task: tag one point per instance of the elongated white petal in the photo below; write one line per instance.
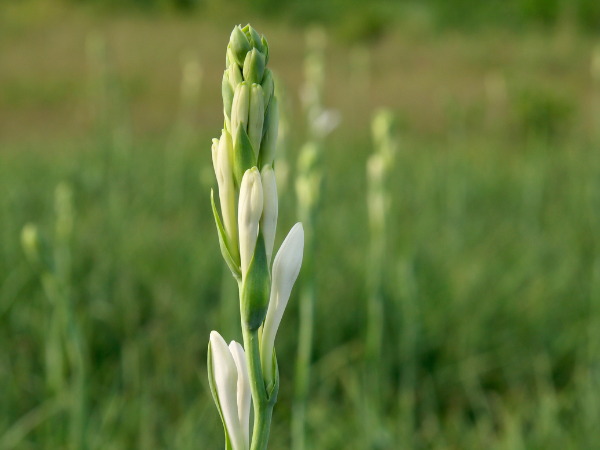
(215, 151)
(227, 189)
(243, 390)
(226, 376)
(249, 211)
(285, 271)
(268, 220)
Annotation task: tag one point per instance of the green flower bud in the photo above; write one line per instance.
(255, 40)
(269, 142)
(256, 117)
(265, 49)
(239, 45)
(268, 86)
(234, 75)
(254, 66)
(239, 108)
(227, 93)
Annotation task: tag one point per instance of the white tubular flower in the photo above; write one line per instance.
(225, 374)
(249, 211)
(268, 220)
(285, 271)
(224, 170)
(243, 390)
(239, 109)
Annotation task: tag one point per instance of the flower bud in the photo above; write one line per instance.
(225, 180)
(239, 108)
(227, 93)
(256, 117)
(234, 74)
(225, 375)
(244, 395)
(249, 211)
(265, 50)
(254, 37)
(254, 66)
(268, 86)
(285, 271)
(268, 220)
(239, 45)
(269, 141)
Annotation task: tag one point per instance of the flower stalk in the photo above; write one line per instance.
(243, 162)
(379, 166)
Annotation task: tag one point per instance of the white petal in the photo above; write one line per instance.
(225, 375)
(285, 271)
(244, 396)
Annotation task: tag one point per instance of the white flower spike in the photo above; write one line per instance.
(285, 271)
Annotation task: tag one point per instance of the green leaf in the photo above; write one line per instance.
(244, 157)
(256, 288)
(235, 268)
(213, 390)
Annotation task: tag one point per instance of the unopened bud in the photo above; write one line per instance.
(268, 220)
(256, 117)
(254, 66)
(244, 394)
(249, 211)
(269, 141)
(253, 37)
(268, 86)
(239, 109)
(227, 93)
(239, 45)
(227, 189)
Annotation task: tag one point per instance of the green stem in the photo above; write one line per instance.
(263, 406)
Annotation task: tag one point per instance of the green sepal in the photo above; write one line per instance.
(273, 390)
(244, 157)
(255, 39)
(227, 93)
(265, 49)
(213, 390)
(223, 242)
(256, 287)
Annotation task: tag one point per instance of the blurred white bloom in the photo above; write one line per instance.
(285, 271)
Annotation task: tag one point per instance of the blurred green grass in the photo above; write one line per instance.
(493, 273)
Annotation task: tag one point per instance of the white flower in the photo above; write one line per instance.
(285, 271)
(249, 211)
(244, 396)
(226, 378)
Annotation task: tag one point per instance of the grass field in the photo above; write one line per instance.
(492, 281)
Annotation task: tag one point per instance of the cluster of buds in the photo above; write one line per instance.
(243, 163)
